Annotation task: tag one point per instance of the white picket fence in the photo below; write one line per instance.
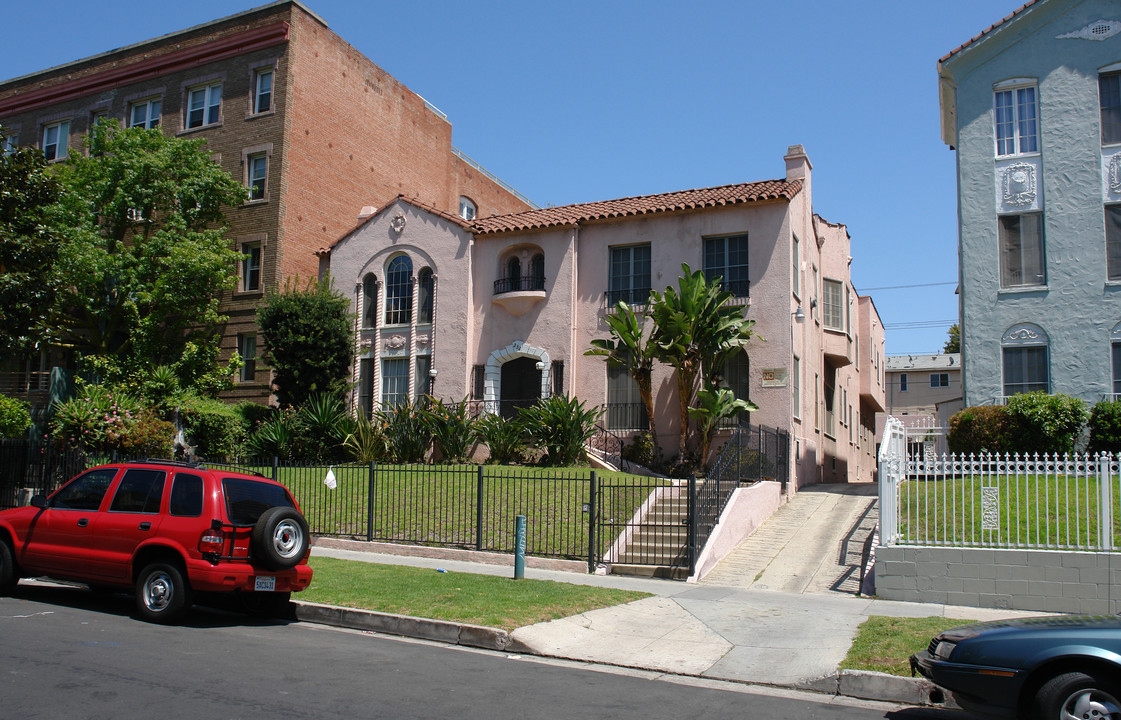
(1035, 501)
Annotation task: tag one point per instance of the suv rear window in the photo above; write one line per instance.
(247, 500)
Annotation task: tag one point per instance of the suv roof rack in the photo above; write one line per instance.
(161, 461)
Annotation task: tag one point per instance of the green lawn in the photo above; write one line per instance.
(1028, 510)
(884, 644)
(436, 504)
(462, 597)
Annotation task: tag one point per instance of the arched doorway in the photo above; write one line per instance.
(521, 385)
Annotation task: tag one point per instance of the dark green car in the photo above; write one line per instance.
(1053, 668)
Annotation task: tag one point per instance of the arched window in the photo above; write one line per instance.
(399, 291)
(1026, 363)
(514, 271)
(424, 296)
(369, 301)
(537, 272)
(467, 209)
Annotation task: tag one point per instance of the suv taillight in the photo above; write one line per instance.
(212, 542)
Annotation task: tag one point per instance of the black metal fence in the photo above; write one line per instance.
(39, 467)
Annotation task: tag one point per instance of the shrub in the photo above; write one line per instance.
(452, 429)
(1045, 423)
(318, 428)
(642, 450)
(215, 429)
(15, 417)
(983, 428)
(365, 442)
(503, 436)
(561, 425)
(408, 435)
(1105, 427)
(96, 419)
(148, 437)
(272, 438)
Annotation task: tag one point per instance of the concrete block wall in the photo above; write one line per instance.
(1084, 583)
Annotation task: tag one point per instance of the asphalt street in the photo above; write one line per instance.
(67, 652)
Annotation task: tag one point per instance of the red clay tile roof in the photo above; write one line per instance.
(568, 215)
(986, 31)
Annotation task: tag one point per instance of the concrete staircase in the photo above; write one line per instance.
(657, 547)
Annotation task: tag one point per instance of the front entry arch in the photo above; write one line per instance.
(516, 376)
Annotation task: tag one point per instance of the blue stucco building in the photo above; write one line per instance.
(1032, 106)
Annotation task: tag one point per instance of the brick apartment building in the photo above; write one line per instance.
(315, 129)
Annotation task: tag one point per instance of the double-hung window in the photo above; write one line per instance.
(8, 144)
(726, 257)
(250, 267)
(629, 280)
(1115, 349)
(56, 138)
(902, 382)
(203, 105)
(394, 381)
(1021, 250)
(262, 91)
(247, 349)
(1015, 114)
(257, 168)
(145, 114)
(939, 380)
(1024, 351)
(1109, 95)
(833, 308)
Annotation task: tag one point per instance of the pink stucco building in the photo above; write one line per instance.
(501, 309)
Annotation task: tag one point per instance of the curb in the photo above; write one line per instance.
(859, 684)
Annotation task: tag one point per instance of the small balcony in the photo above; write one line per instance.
(637, 298)
(519, 294)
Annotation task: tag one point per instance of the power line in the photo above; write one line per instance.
(906, 287)
(918, 324)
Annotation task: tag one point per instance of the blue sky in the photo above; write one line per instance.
(580, 101)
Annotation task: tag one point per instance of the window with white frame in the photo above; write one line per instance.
(9, 143)
(467, 209)
(726, 257)
(796, 382)
(56, 138)
(257, 168)
(262, 90)
(394, 381)
(1109, 96)
(939, 380)
(1024, 350)
(832, 306)
(247, 349)
(204, 104)
(1015, 116)
(145, 113)
(1113, 242)
(250, 267)
(629, 275)
(399, 291)
(1021, 250)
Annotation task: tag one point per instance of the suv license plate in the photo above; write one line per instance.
(264, 584)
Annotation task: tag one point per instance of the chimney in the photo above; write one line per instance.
(798, 164)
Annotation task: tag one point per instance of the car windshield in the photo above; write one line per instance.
(247, 500)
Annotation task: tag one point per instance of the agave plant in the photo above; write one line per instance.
(365, 441)
(408, 435)
(271, 438)
(320, 426)
(562, 425)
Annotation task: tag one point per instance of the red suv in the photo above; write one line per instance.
(166, 529)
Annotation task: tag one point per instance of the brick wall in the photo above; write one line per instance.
(1043, 580)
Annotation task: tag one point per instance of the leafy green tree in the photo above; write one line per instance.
(953, 341)
(308, 341)
(696, 330)
(144, 257)
(630, 348)
(29, 245)
(15, 417)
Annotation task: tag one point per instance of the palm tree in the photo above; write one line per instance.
(713, 405)
(629, 348)
(695, 331)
